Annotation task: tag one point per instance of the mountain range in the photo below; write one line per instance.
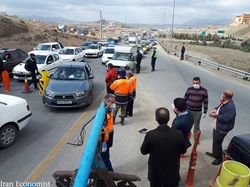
(197, 22)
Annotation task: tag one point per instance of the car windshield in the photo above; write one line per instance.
(69, 73)
(43, 47)
(118, 56)
(67, 51)
(109, 51)
(92, 47)
(86, 44)
(40, 59)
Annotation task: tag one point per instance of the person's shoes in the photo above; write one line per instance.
(152, 70)
(217, 162)
(130, 115)
(36, 88)
(210, 154)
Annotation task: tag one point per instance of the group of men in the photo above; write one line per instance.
(166, 143)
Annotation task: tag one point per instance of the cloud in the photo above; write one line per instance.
(130, 11)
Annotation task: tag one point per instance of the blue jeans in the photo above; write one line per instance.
(105, 157)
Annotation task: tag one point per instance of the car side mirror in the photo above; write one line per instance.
(4, 61)
(48, 62)
(91, 76)
(53, 49)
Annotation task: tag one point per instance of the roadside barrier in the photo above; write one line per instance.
(26, 86)
(192, 163)
(6, 80)
(43, 81)
(199, 61)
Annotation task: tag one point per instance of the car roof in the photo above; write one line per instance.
(48, 43)
(73, 64)
(70, 47)
(38, 52)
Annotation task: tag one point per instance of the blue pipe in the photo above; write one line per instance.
(90, 149)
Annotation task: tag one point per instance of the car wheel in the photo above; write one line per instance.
(8, 135)
(90, 98)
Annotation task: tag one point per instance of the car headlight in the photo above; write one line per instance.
(80, 94)
(48, 93)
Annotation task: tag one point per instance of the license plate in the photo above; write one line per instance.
(64, 102)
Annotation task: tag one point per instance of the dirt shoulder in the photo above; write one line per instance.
(229, 57)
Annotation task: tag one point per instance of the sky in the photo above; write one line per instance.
(128, 11)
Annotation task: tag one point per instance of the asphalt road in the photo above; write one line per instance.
(42, 149)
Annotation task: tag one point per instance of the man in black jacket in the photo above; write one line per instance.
(164, 146)
(31, 67)
(138, 61)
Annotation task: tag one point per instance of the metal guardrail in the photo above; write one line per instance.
(244, 74)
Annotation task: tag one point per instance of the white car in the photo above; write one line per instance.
(108, 54)
(72, 54)
(51, 46)
(45, 60)
(14, 115)
(93, 50)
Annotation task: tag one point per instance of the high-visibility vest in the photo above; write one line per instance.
(122, 90)
(133, 86)
(155, 54)
(109, 122)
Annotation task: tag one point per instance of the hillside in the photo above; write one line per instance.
(24, 34)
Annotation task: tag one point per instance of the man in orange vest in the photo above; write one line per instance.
(122, 91)
(109, 101)
(132, 79)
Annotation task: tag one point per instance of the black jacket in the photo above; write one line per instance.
(164, 146)
(139, 57)
(30, 66)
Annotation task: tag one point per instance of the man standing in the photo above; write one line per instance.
(224, 119)
(111, 76)
(109, 103)
(138, 61)
(196, 96)
(122, 91)
(132, 79)
(164, 146)
(153, 59)
(182, 52)
(31, 67)
(184, 120)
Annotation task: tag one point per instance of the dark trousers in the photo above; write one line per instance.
(109, 90)
(182, 56)
(217, 144)
(105, 157)
(160, 185)
(138, 67)
(153, 63)
(130, 107)
(33, 79)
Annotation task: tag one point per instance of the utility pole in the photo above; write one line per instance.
(100, 24)
(172, 26)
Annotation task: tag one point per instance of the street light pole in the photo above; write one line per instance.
(101, 24)
(172, 26)
(164, 20)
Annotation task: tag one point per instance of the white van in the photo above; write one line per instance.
(125, 56)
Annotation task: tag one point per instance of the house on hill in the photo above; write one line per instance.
(243, 19)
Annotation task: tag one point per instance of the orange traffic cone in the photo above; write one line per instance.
(26, 86)
(6, 80)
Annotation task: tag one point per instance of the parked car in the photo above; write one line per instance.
(93, 50)
(70, 86)
(72, 54)
(51, 46)
(85, 45)
(108, 54)
(239, 149)
(14, 115)
(11, 57)
(46, 60)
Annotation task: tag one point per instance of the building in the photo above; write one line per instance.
(243, 19)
